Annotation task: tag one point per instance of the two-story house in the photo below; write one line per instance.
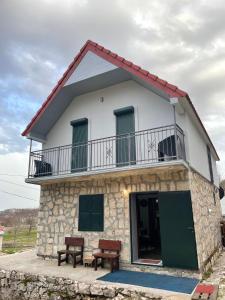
(125, 156)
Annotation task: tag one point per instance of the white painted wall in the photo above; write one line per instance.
(196, 147)
(150, 111)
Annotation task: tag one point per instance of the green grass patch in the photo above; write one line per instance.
(22, 239)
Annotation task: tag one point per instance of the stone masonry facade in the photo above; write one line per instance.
(207, 216)
(58, 214)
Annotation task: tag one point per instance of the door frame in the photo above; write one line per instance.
(130, 221)
(131, 228)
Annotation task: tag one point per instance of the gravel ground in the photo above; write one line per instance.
(218, 276)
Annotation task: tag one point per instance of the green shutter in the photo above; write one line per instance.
(80, 149)
(177, 230)
(125, 142)
(91, 213)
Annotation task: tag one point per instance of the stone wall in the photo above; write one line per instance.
(15, 285)
(58, 215)
(207, 216)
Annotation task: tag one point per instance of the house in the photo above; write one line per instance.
(125, 156)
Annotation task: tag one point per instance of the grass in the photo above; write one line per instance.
(24, 240)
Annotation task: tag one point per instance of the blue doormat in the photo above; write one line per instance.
(155, 281)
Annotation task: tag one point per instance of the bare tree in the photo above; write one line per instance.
(16, 226)
(31, 221)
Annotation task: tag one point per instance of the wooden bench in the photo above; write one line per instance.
(76, 242)
(112, 254)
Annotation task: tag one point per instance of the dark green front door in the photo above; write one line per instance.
(125, 141)
(177, 230)
(79, 147)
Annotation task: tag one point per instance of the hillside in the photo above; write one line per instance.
(12, 217)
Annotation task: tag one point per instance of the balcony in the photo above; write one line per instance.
(142, 148)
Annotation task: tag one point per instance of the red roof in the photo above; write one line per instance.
(153, 80)
(115, 59)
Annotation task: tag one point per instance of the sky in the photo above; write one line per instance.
(182, 41)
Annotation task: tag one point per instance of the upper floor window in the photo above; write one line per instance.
(79, 148)
(210, 164)
(125, 140)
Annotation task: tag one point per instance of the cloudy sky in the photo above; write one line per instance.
(182, 41)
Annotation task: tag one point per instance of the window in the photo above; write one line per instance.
(80, 148)
(125, 143)
(91, 213)
(210, 164)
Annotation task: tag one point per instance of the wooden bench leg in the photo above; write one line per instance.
(111, 264)
(59, 259)
(102, 262)
(74, 261)
(82, 259)
(118, 263)
(96, 263)
(67, 258)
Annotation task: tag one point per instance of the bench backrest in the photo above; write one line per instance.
(74, 241)
(109, 245)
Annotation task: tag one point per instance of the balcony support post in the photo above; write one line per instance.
(58, 160)
(129, 148)
(30, 148)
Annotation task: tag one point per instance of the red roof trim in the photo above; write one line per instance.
(158, 83)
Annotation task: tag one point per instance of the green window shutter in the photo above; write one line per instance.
(125, 142)
(80, 148)
(91, 213)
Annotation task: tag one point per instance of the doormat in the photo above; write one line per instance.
(150, 280)
(205, 291)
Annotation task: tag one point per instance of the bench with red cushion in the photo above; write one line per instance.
(108, 250)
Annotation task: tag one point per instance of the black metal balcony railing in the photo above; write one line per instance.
(139, 148)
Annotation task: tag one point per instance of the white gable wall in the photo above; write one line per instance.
(150, 111)
(91, 65)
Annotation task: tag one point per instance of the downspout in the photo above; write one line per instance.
(173, 102)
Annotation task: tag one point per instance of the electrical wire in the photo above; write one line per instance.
(19, 196)
(26, 187)
(19, 175)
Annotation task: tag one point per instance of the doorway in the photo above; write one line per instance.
(162, 229)
(146, 236)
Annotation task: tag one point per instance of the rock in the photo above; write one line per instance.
(84, 288)
(96, 290)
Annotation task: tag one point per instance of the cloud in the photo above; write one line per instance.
(180, 41)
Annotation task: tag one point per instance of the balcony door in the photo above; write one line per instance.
(125, 138)
(79, 145)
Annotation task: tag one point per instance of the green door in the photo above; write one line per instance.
(177, 230)
(79, 146)
(125, 140)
